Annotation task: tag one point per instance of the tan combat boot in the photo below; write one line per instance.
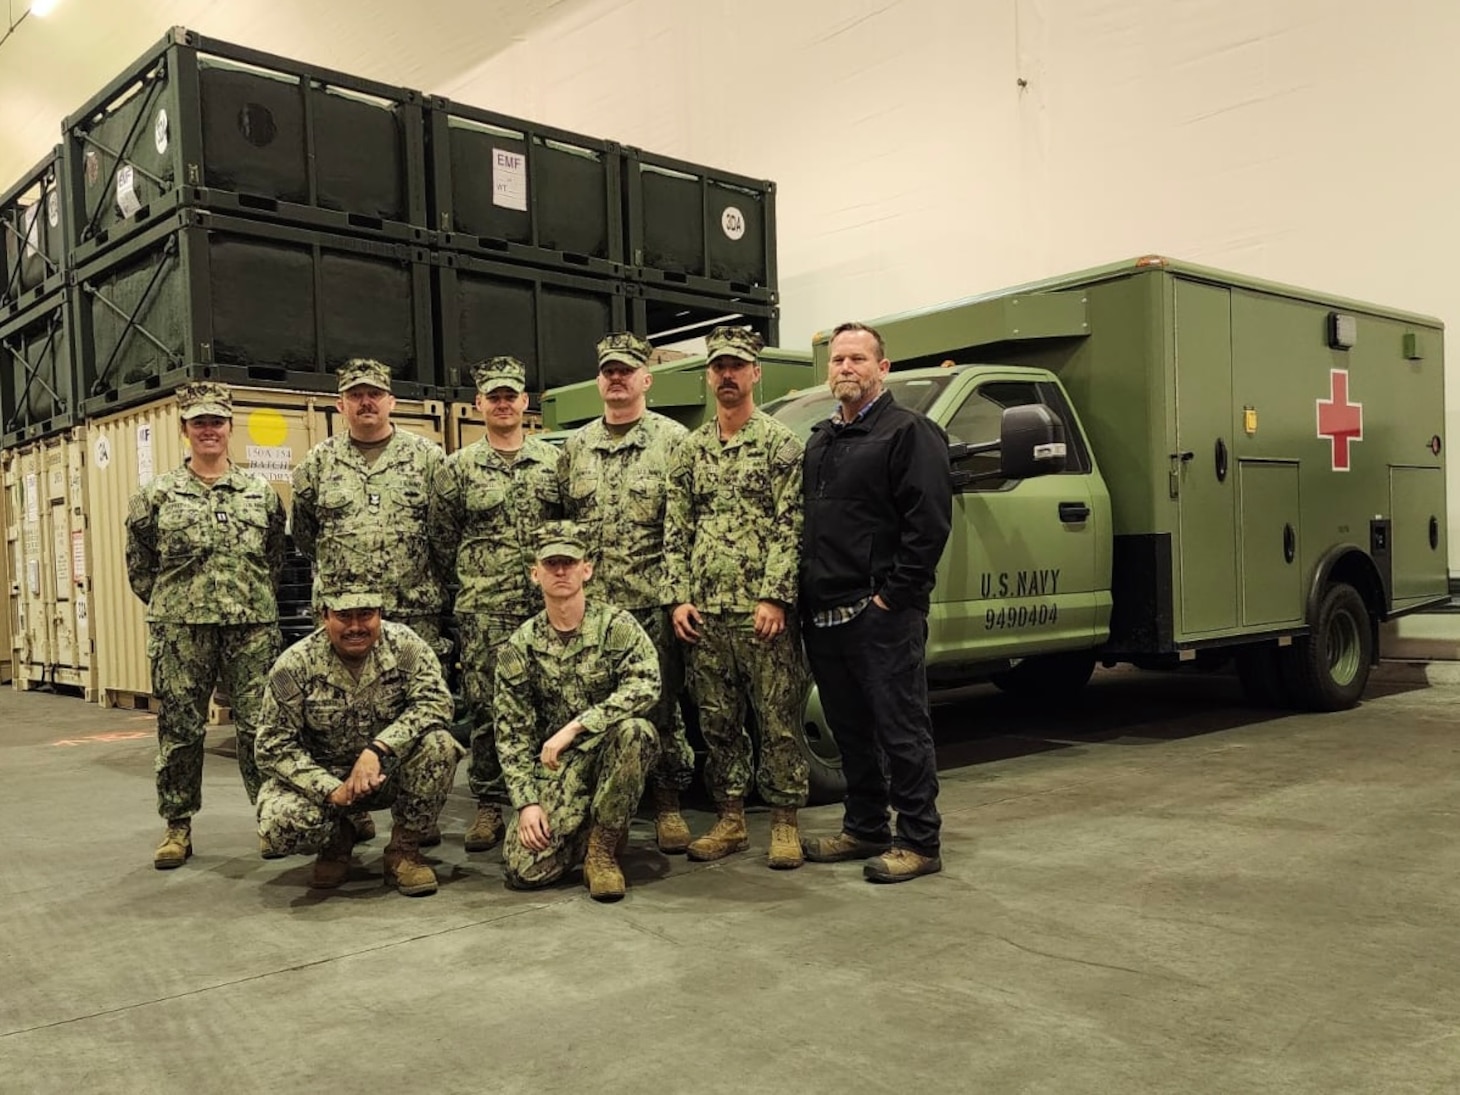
(785, 853)
(487, 829)
(670, 831)
(176, 846)
(404, 867)
(601, 872)
(364, 826)
(332, 865)
(726, 835)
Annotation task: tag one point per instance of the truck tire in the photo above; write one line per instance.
(827, 782)
(1260, 669)
(1051, 678)
(1327, 669)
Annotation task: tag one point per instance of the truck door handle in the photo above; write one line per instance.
(1072, 513)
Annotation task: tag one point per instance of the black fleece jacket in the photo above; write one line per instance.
(879, 504)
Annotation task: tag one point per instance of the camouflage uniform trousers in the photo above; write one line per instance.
(482, 635)
(730, 665)
(602, 785)
(676, 765)
(188, 662)
(414, 791)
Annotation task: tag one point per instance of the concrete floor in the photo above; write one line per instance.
(1165, 892)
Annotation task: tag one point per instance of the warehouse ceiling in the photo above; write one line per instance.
(49, 66)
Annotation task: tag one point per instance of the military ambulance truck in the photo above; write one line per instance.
(1158, 463)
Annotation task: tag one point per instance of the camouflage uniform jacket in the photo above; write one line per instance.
(317, 717)
(606, 673)
(732, 529)
(614, 489)
(359, 523)
(201, 555)
(485, 514)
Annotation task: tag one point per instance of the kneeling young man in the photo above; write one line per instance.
(573, 687)
(355, 718)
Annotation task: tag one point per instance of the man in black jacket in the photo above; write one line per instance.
(879, 502)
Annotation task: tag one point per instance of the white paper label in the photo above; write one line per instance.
(144, 455)
(101, 452)
(509, 179)
(53, 209)
(732, 222)
(159, 132)
(33, 576)
(272, 462)
(30, 228)
(1056, 450)
(63, 564)
(32, 498)
(127, 200)
(78, 555)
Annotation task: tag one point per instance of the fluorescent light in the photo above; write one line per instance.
(41, 8)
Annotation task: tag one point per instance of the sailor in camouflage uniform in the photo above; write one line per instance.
(613, 473)
(356, 715)
(573, 686)
(488, 502)
(732, 539)
(360, 504)
(205, 547)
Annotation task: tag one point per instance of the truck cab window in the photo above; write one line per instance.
(979, 417)
(978, 420)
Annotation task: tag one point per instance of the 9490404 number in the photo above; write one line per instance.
(1015, 616)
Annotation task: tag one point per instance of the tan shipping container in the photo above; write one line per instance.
(272, 430)
(24, 543)
(50, 550)
(7, 570)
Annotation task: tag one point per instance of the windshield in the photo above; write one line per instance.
(804, 409)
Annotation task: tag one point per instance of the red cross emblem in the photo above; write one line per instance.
(1339, 420)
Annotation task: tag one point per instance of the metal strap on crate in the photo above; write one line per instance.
(98, 386)
(32, 372)
(153, 80)
(12, 286)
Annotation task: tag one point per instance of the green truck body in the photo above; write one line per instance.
(1236, 451)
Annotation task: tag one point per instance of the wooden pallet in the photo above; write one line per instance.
(131, 701)
(37, 682)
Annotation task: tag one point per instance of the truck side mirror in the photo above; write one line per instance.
(1031, 442)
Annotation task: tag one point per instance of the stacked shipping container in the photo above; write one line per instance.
(220, 213)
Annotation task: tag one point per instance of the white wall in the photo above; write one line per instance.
(1308, 141)
(1305, 141)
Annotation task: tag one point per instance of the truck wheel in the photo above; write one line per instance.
(828, 783)
(1052, 678)
(1326, 670)
(1259, 668)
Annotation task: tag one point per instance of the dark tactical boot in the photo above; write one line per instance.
(332, 865)
(404, 867)
(840, 848)
(670, 831)
(364, 826)
(486, 829)
(176, 846)
(785, 853)
(432, 837)
(726, 835)
(900, 865)
(601, 872)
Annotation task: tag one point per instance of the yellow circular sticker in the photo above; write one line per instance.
(267, 427)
